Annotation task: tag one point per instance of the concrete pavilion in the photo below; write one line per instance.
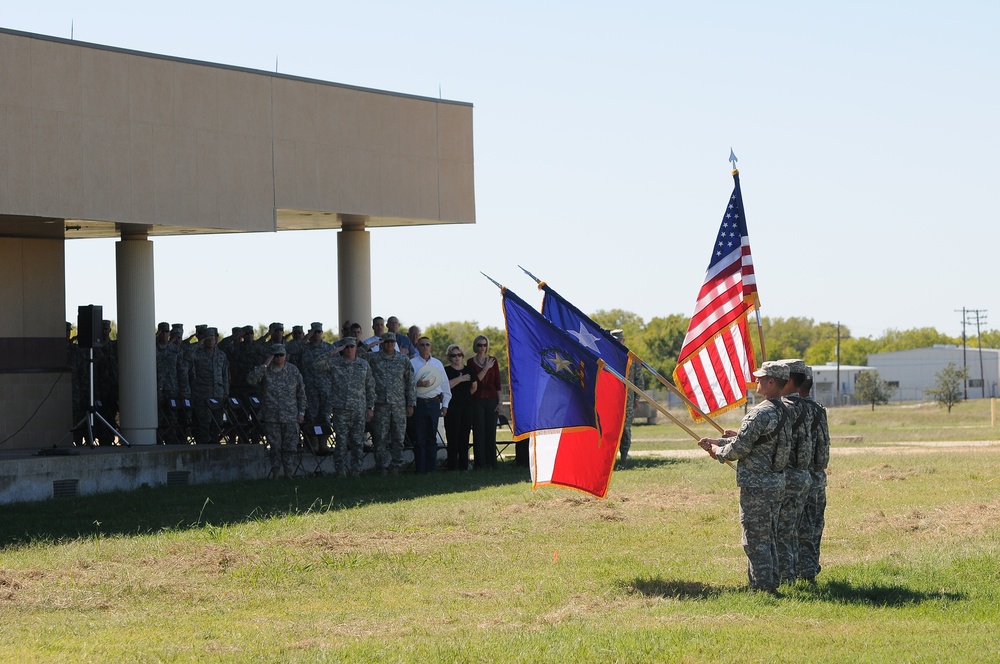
(105, 142)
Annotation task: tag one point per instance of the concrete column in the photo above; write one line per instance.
(136, 343)
(354, 275)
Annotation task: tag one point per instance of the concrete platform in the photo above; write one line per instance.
(32, 475)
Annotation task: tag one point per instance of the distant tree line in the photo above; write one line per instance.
(658, 341)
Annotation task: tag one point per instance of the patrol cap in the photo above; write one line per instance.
(276, 326)
(389, 336)
(237, 330)
(795, 366)
(106, 324)
(808, 372)
(162, 327)
(211, 332)
(178, 327)
(348, 342)
(296, 328)
(277, 349)
(772, 370)
(247, 329)
(201, 329)
(316, 327)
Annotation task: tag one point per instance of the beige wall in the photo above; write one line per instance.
(33, 344)
(92, 133)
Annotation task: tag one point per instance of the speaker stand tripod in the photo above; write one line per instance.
(88, 418)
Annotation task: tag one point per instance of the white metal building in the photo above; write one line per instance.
(912, 372)
(825, 381)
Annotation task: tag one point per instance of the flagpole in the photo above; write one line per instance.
(642, 393)
(683, 397)
(670, 386)
(635, 388)
(760, 335)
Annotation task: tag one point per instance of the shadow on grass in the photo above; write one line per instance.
(876, 594)
(676, 589)
(151, 510)
(640, 462)
(837, 592)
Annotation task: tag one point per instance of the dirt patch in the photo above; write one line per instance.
(934, 523)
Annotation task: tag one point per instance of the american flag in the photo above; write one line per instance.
(716, 361)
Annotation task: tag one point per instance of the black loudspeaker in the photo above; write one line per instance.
(88, 325)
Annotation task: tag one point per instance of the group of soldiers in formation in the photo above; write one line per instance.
(782, 451)
(279, 382)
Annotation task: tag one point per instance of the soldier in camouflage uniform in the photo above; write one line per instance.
(184, 414)
(761, 448)
(168, 386)
(395, 397)
(798, 479)
(283, 408)
(294, 345)
(318, 386)
(353, 401)
(229, 344)
(812, 520)
(209, 375)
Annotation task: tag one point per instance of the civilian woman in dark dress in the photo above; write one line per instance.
(458, 420)
(485, 404)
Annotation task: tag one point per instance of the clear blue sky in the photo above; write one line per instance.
(867, 134)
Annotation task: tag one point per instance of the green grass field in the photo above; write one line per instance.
(477, 567)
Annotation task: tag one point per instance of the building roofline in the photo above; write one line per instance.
(203, 63)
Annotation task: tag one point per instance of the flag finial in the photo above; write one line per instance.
(732, 158)
(495, 282)
(537, 280)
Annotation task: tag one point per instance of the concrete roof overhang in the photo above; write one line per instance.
(99, 139)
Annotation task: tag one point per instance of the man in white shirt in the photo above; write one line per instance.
(433, 396)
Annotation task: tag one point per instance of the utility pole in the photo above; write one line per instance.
(838, 363)
(965, 364)
(980, 315)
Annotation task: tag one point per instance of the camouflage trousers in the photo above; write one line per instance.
(349, 426)
(282, 444)
(811, 529)
(389, 432)
(626, 442)
(793, 502)
(758, 513)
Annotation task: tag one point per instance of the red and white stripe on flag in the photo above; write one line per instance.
(582, 459)
(716, 376)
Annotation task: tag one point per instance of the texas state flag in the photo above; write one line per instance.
(584, 460)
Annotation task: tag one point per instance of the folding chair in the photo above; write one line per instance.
(171, 430)
(316, 442)
(231, 428)
(244, 421)
(502, 422)
(252, 405)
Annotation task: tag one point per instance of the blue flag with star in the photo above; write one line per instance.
(552, 377)
(595, 338)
